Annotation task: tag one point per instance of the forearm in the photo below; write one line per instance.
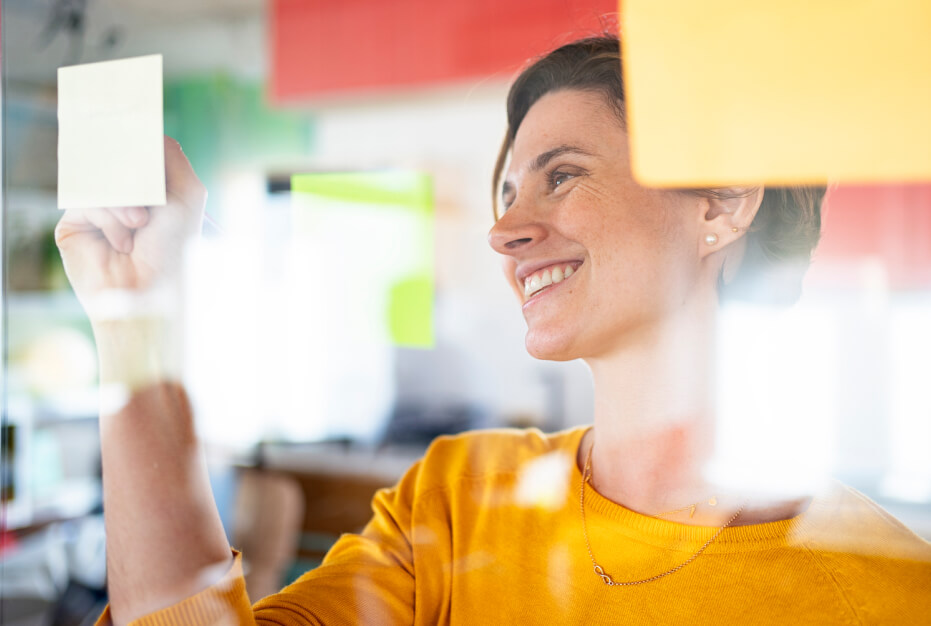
(165, 540)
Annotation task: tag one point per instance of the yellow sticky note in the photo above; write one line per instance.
(788, 92)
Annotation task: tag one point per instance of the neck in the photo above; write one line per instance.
(654, 417)
(655, 426)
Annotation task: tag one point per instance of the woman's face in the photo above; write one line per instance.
(631, 254)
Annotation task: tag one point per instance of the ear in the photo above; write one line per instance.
(730, 211)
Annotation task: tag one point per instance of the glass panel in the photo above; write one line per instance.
(338, 306)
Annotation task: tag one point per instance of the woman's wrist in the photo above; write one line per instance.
(138, 352)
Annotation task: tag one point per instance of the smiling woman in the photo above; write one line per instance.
(777, 248)
(521, 526)
(571, 198)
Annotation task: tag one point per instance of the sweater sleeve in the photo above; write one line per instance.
(226, 602)
(366, 578)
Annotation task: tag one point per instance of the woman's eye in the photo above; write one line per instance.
(557, 178)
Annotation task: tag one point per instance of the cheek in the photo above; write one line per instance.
(615, 225)
(586, 215)
(636, 243)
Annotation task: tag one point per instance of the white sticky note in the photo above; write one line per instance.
(111, 148)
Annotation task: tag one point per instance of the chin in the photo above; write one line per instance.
(550, 346)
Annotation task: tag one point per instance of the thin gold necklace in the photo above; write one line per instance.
(691, 508)
(600, 572)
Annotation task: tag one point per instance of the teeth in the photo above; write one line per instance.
(538, 281)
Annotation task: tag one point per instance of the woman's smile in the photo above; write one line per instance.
(545, 283)
(538, 279)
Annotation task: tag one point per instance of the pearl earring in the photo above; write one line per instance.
(711, 239)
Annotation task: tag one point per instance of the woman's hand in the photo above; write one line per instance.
(126, 267)
(133, 249)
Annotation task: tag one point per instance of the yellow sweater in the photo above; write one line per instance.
(486, 529)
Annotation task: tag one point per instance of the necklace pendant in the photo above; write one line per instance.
(599, 571)
(604, 577)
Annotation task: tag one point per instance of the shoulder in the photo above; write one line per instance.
(846, 521)
(494, 453)
(881, 567)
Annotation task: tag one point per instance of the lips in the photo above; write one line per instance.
(545, 276)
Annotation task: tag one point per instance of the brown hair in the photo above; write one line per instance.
(787, 226)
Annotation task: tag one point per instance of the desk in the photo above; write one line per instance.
(296, 502)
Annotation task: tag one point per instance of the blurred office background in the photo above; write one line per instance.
(296, 401)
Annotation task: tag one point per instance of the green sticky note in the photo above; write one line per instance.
(369, 237)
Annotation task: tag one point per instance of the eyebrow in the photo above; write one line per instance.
(540, 162)
(542, 159)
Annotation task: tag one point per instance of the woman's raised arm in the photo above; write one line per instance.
(165, 540)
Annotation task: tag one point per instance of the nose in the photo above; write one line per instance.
(515, 231)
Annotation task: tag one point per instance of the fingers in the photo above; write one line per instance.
(101, 221)
(117, 224)
(131, 217)
(180, 176)
(114, 230)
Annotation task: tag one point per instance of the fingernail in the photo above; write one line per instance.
(136, 214)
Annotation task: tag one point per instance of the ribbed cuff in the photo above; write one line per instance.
(225, 602)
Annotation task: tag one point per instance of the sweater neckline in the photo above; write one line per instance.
(618, 519)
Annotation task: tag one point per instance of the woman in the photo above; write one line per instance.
(615, 523)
